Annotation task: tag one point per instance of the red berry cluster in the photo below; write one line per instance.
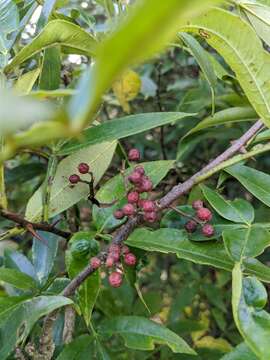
(83, 168)
(140, 184)
(113, 262)
(202, 214)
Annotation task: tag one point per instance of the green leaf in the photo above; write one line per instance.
(17, 279)
(9, 302)
(253, 180)
(241, 352)
(121, 128)
(259, 17)
(251, 320)
(246, 242)
(141, 334)
(210, 253)
(239, 210)
(68, 36)
(25, 82)
(43, 255)
(80, 348)
(51, 69)
(9, 21)
(238, 49)
(227, 116)
(262, 136)
(75, 263)
(63, 196)
(204, 62)
(21, 319)
(18, 261)
(99, 77)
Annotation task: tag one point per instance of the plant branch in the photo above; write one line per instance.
(215, 165)
(181, 189)
(18, 219)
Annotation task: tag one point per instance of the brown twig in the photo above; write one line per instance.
(18, 219)
(70, 316)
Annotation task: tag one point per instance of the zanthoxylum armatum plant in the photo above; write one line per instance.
(134, 179)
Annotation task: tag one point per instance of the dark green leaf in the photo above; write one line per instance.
(210, 253)
(141, 334)
(16, 260)
(226, 116)
(204, 62)
(251, 320)
(9, 302)
(51, 69)
(239, 210)
(79, 349)
(121, 128)
(241, 352)
(246, 242)
(17, 279)
(43, 255)
(253, 180)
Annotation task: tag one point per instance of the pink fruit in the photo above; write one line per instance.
(83, 168)
(133, 197)
(135, 178)
(130, 259)
(128, 210)
(95, 263)
(149, 206)
(118, 214)
(115, 279)
(208, 230)
(204, 214)
(134, 155)
(146, 185)
(191, 226)
(74, 179)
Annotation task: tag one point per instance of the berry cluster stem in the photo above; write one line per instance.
(183, 213)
